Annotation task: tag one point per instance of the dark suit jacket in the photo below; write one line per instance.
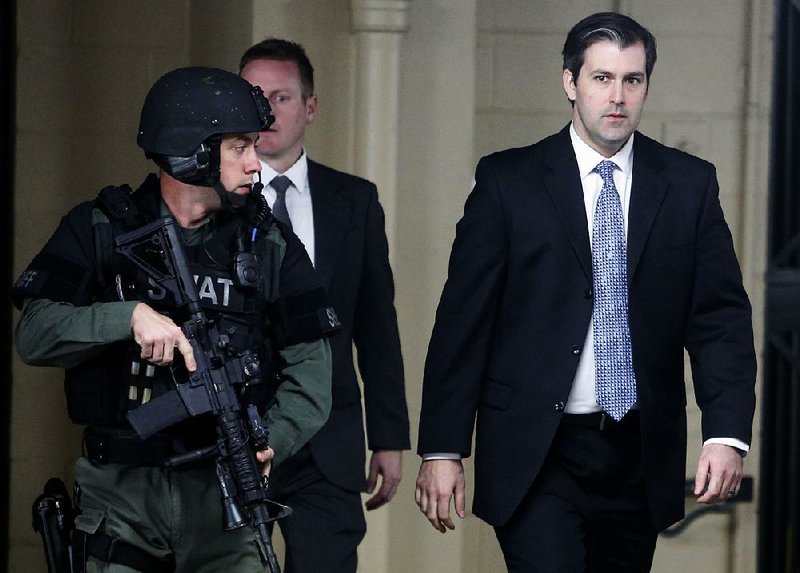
(516, 307)
(352, 261)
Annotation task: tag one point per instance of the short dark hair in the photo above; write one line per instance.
(618, 28)
(284, 51)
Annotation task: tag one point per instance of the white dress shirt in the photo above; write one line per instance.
(582, 396)
(298, 199)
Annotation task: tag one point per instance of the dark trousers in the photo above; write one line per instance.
(327, 522)
(587, 510)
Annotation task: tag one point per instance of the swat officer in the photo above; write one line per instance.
(115, 331)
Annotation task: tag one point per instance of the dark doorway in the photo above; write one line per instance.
(779, 520)
(8, 24)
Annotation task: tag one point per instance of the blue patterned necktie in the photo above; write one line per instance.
(281, 183)
(615, 381)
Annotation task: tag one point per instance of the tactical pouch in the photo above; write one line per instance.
(96, 389)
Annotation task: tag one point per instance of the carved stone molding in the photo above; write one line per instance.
(379, 15)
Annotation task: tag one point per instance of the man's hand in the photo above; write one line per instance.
(719, 473)
(389, 464)
(158, 336)
(265, 457)
(437, 483)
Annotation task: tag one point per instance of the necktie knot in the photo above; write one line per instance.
(606, 170)
(281, 183)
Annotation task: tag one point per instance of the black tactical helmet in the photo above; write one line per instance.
(184, 111)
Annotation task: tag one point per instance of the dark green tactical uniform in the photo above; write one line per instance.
(68, 321)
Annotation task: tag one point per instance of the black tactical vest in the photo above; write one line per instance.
(101, 390)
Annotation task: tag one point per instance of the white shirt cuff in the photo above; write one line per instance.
(440, 456)
(733, 442)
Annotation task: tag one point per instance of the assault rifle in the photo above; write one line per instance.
(214, 387)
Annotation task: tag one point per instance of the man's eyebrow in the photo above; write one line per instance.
(601, 71)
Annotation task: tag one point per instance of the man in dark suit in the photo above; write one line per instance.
(340, 221)
(582, 268)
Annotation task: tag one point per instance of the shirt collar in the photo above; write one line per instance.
(588, 158)
(298, 173)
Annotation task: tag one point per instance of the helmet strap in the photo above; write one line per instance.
(230, 201)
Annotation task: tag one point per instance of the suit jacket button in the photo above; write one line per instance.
(576, 350)
(588, 293)
(559, 406)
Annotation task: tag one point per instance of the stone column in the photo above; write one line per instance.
(378, 27)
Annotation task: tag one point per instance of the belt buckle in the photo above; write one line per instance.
(603, 417)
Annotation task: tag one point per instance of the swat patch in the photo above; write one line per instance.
(216, 291)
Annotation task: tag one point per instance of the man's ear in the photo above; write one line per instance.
(311, 108)
(569, 85)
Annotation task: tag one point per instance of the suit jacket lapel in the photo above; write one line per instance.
(562, 181)
(331, 220)
(647, 193)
